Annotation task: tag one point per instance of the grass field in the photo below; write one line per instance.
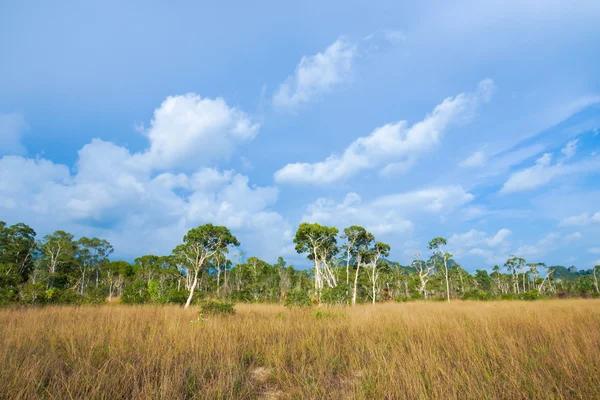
(465, 350)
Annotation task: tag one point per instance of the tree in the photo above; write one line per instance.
(514, 265)
(199, 245)
(436, 245)
(352, 238)
(423, 270)
(17, 248)
(374, 254)
(596, 268)
(320, 242)
(363, 251)
(91, 253)
(57, 249)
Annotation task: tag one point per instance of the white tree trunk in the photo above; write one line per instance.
(192, 288)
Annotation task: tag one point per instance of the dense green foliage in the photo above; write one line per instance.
(347, 268)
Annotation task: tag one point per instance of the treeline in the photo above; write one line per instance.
(349, 267)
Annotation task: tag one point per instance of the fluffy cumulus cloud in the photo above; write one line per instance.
(11, 132)
(387, 214)
(492, 248)
(110, 193)
(393, 147)
(191, 130)
(316, 75)
(545, 171)
(582, 219)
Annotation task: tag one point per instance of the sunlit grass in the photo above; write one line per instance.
(477, 350)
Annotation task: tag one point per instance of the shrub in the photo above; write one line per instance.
(213, 307)
(404, 299)
(476, 295)
(33, 293)
(297, 298)
(135, 293)
(94, 296)
(336, 295)
(533, 295)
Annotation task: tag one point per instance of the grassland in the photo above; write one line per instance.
(465, 350)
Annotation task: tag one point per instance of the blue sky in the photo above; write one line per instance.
(476, 121)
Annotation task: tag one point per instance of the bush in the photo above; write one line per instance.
(213, 307)
(94, 296)
(533, 295)
(476, 295)
(336, 295)
(297, 298)
(33, 293)
(135, 293)
(404, 299)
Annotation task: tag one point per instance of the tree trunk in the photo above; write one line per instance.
(447, 282)
(596, 280)
(355, 284)
(82, 281)
(374, 282)
(192, 288)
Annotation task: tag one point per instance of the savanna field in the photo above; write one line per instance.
(421, 350)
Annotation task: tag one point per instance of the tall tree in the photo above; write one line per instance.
(374, 254)
(352, 237)
(437, 246)
(320, 244)
(423, 270)
(199, 245)
(18, 248)
(57, 249)
(91, 253)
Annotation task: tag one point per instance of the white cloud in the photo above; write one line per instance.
(442, 199)
(582, 219)
(387, 214)
(594, 250)
(492, 248)
(542, 247)
(111, 194)
(543, 172)
(11, 132)
(476, 159)
(574, 236)
(190, 130)
(316, 75)
(392, 145)
(474, 238)
(570, 149)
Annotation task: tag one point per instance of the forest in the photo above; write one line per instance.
(348, 267)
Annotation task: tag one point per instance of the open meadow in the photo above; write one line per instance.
(462, 350)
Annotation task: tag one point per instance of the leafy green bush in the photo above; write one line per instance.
(297, 298)
(33, 293)
(404, 299)
(94, 296)
(476, 295)
(213, 307)
(135, 293)
(533, 295)
(336, 295)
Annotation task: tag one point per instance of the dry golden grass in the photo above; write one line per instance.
(465, 350)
